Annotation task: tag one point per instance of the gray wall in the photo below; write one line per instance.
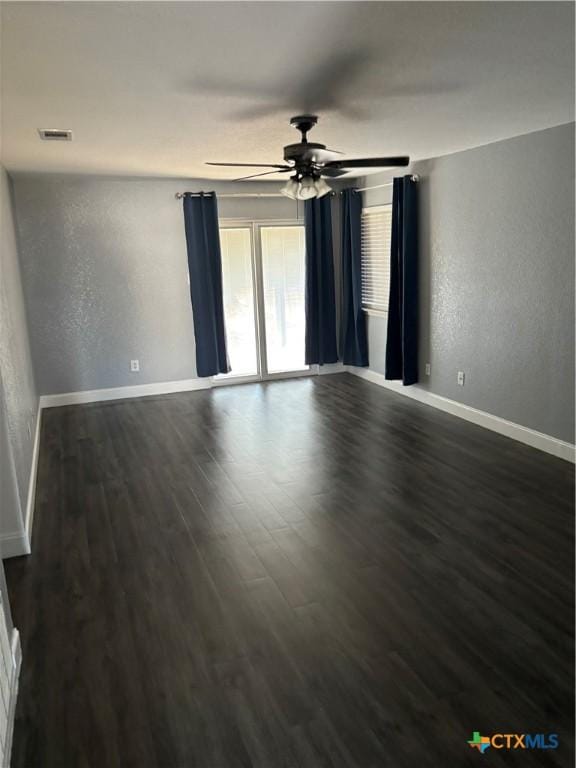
(18, 398)
(106, 277)
(104, 266)
(497, 278)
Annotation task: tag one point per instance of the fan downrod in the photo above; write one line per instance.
(304, 123)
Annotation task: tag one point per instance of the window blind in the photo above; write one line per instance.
(376, 230)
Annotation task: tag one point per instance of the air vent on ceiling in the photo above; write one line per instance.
(55, 134)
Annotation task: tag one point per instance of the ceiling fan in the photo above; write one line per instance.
(310, 163)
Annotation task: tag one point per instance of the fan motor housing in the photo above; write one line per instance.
(302, 152)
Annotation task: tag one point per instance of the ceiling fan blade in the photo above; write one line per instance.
(253, 165)
(371, 162)
(266, 173)
(331, 81)
(316, 155)
(331, 173)
(325, 87)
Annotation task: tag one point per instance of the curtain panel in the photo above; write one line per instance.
(205, 269)
(353, 337)
(320, 301)
(402, 337)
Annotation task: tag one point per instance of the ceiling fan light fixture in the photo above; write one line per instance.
(322, 188)
(290, 189)
(307, 188)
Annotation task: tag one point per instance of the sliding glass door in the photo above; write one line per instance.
(283, 259)
(263, 282)
(239, 301)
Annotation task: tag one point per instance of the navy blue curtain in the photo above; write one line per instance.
(354, 343)
(321, 346)
(205, 268)
(402, 339)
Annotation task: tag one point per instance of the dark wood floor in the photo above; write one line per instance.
(305, 573)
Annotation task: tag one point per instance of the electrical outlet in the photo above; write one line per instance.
(134, 366)
(461, 378)
(428, 369)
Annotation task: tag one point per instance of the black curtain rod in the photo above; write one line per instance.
(180, 195)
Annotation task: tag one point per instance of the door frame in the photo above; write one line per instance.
(255, 226)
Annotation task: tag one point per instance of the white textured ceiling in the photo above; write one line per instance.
(157, 89)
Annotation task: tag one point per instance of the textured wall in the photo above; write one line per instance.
(497, 278)
(106, 277)
(104, 265)
(18, 398)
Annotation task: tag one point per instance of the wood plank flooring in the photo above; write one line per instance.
(299, 574)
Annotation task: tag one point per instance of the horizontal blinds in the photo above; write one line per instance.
(376, 236)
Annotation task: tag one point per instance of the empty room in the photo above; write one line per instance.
(287, 384)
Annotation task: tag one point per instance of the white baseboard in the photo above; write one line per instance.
(552, 445)
(32, 482)
(14, 544)
(121, 393)
(17, 543)
(163, 388)
(323, 370)
(17, 661)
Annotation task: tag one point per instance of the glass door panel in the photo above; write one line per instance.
(283, 263)
(238, 293)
